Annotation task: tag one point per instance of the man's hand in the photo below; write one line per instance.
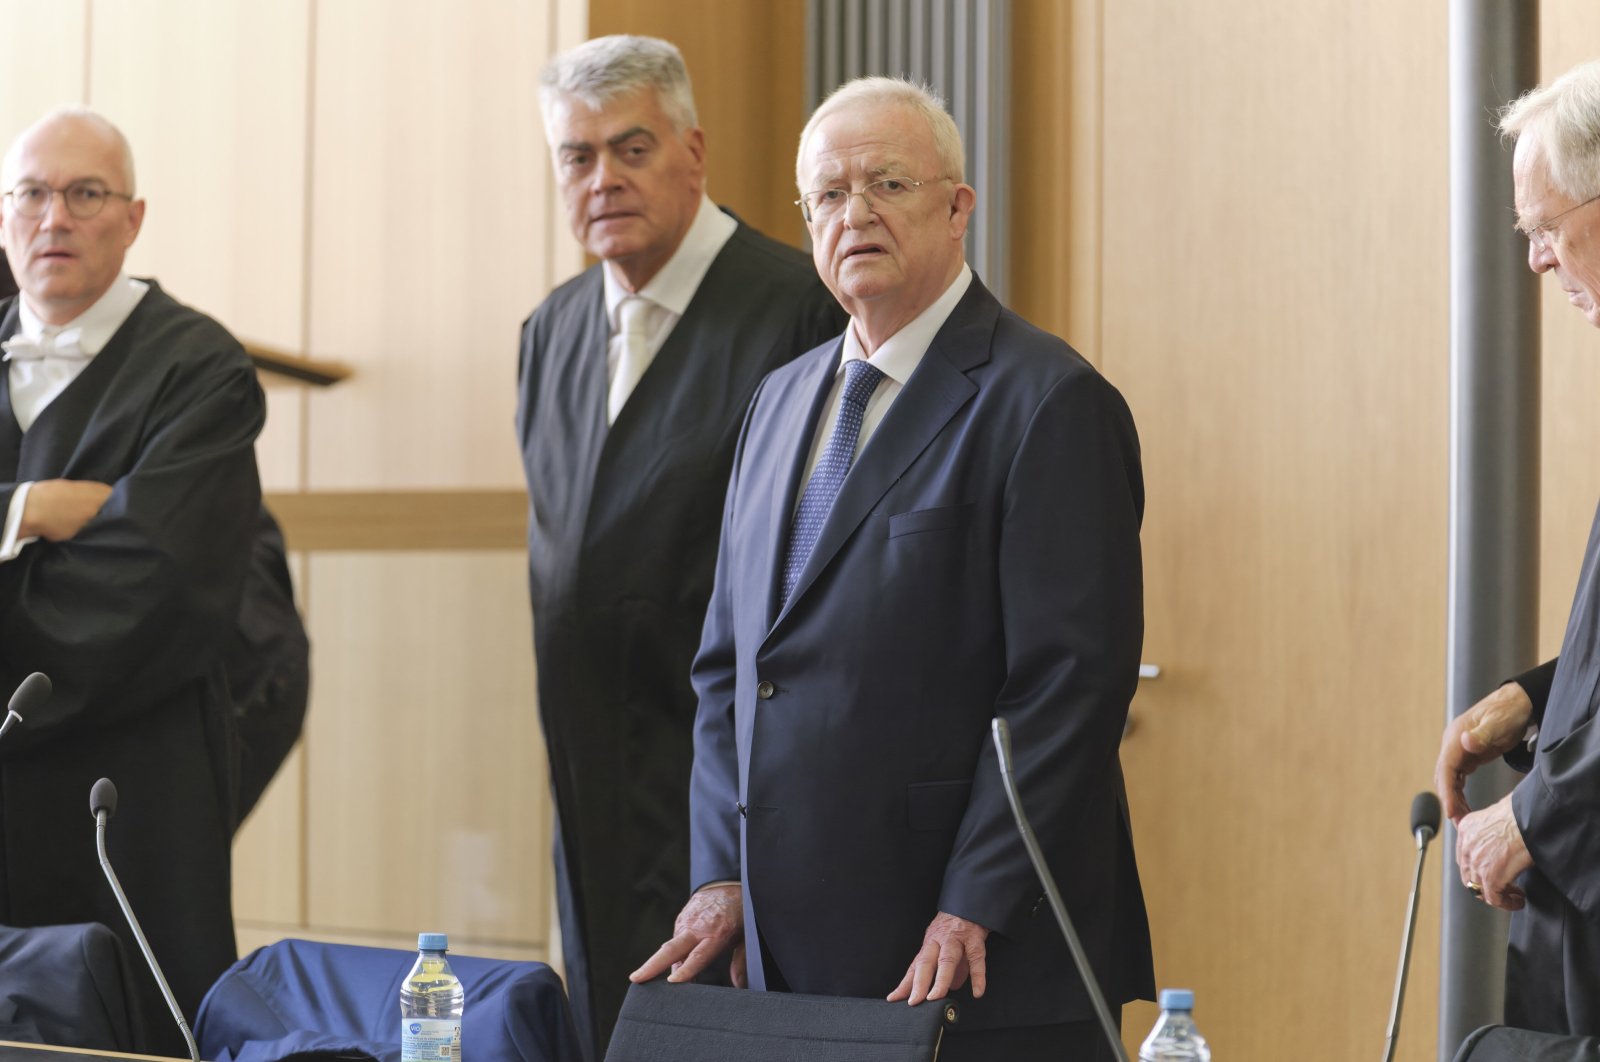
(952, 948)
(1490, 854)
(1482, 733)
(57, 509)
(712, 920)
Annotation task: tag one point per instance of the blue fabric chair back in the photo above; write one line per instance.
(70, 986)
(303, 999)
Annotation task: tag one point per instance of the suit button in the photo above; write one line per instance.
(743, 811)
(765, 690)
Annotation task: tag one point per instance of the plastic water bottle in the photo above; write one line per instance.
(1175, 1038)
(431, 1005)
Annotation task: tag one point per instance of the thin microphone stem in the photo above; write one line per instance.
(1113, 1033)
(138, 934)
(1423, 836)
(12, 719)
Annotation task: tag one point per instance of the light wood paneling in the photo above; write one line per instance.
(427, 784)
(453, 520)
(429, 218)
(1055, 171)
(745, 62)
(268, 855)
(46, 55)
(212, 96)
(1272, 299)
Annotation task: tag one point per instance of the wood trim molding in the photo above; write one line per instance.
(322, 521)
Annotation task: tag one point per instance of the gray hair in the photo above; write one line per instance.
(600, 70)
(893, 90)
(80, 113)
(1565, 118)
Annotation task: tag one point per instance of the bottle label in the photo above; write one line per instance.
(430, 1040)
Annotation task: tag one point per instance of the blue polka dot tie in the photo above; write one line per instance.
(861, 379)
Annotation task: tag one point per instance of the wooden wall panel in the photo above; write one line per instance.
(213, 99)
(746, 64)
(45, 62)
(1262, 186)
(427, 785)
(428, 219)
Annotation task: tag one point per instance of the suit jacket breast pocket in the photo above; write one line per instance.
(937, 806)
(918, 521)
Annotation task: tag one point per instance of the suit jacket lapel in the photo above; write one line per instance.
(936, 390)
(797, 427)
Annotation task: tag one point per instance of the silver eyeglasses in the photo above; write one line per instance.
(1542, 234)
(84, 199)
(887, 194)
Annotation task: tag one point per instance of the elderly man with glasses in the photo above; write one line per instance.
(1536, 852)
(933, 520)
(129, 495)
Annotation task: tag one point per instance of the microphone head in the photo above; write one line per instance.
(33, 692)
(1425, 814)
(103, 797)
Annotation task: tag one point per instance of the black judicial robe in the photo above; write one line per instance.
(1553, 957)
(128, 619)
(622, 541)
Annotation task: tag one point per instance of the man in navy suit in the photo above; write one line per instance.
(932, 520)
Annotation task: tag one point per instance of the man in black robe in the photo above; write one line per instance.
(1536, 852)
(634, 379)
(130, 496)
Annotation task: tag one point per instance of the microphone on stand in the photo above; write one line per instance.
(33, 692)
(1002, 745)
(1424, 827)
(103, 805)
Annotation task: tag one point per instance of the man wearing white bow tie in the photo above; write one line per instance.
(129, 495)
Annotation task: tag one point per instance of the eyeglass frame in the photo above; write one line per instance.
(1540, 235)
(63, 193)
(805, 208)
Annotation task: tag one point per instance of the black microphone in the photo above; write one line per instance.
(103, 805)
(33, 692)
(1424, 828)
(1002, 745)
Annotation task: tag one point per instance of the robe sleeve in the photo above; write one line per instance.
(1536, 684)
(139, 602)
(1557, 808)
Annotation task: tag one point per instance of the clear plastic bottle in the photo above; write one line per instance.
(431, 1005)
(1175, 1038)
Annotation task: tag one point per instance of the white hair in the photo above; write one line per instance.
(79, 113)
(893, 91)
(598, 71)
(1564, 117)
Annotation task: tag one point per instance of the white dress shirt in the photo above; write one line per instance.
(897, 358)
(668, 293)
(36, 381)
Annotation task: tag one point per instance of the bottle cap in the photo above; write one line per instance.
(433, 941)
(1177, 999)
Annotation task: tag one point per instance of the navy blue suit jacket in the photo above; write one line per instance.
(982, 558)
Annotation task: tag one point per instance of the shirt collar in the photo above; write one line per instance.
(98, 323)
(675, 283)
(898, 356)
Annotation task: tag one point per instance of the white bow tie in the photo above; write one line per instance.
(65, 344)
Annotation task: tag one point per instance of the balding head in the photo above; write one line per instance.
(63, 262)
